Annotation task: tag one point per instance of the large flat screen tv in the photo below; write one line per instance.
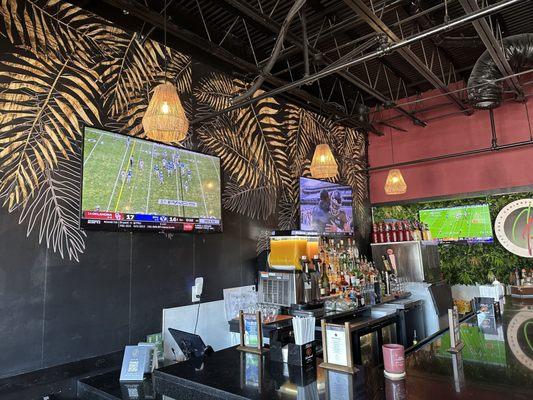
(466, 224)
(135, 184)
(325, 207)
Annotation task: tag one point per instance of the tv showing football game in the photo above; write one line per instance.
(325, 207)
(466, 224)
(136, 184)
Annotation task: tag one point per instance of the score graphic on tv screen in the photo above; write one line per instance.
(135, 184)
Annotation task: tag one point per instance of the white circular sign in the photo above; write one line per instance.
(514, 227)
(517, 324)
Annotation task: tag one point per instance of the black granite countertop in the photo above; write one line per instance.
(495, 363)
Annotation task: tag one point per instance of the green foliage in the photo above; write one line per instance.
(466, 264)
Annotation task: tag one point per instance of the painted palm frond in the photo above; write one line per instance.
(353, 164)
(222, 137)
(53, 210)
(256, 126)
(288, 213)
(53, 27)
(135, 65)
(179, 72)
(42, 103)
(263, 241)
(258, 202)
(259, 126)
(215, 91)
(300, 138)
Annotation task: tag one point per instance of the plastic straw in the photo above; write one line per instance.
(304, 330)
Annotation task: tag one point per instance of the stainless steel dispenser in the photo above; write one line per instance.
(415, 261)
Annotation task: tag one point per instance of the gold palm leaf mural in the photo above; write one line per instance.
(54, 27)
(260, 202)
(66, 67)
(223, 138)
(215, 91)
(54, 209)
(43, 103)
(136, 67)
(353, 170)
(250, 143)
(179, 72)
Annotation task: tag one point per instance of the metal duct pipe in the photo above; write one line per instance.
(370, 56)
(486, 87)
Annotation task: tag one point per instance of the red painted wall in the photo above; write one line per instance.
(451, 134)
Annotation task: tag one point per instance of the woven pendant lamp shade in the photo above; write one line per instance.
(395, 184)
(165, 119)
(323, 164)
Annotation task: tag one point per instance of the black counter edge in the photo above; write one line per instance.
(187, 384)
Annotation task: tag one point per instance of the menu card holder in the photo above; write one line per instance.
(259, 349)
(337, 348)
(456, 344)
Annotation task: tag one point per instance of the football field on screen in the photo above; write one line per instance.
(468, 222)
(123, 174)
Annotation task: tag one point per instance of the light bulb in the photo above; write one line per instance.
(322, 158)
(395, 179)
(165, 109)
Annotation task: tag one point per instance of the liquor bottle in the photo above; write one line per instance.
(387, 233)
(324, 282)
(407, 231)
(400, 232)
(381, 233)
(393, 232)
(429, 236)
(375, 233)
(360, 299)
(332, 281)
(416, 231)
(316, 277)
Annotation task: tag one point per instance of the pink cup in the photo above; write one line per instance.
(393, 358)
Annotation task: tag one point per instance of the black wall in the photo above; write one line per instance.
(55, 311)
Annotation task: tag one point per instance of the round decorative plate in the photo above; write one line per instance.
(518, 337)
(514, 227)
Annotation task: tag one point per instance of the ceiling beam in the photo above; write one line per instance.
(379, 26)
(274, 27)
(154, 18)
(337, 27)
(390, 47)
(494, 48)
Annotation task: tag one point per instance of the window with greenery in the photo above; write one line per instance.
(461, 263)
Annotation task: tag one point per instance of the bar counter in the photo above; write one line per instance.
(496, 362)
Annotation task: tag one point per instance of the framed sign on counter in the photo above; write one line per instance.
(251, 333)
(337, 347)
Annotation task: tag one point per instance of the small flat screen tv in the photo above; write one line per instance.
(466, 224)
(325, 207)
(136, 184)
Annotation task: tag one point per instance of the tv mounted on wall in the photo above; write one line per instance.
(136, 184)
(464, 224)
(325, 207)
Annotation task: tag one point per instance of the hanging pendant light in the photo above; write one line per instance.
(323, 164)
(394, 184)
(165, 119)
